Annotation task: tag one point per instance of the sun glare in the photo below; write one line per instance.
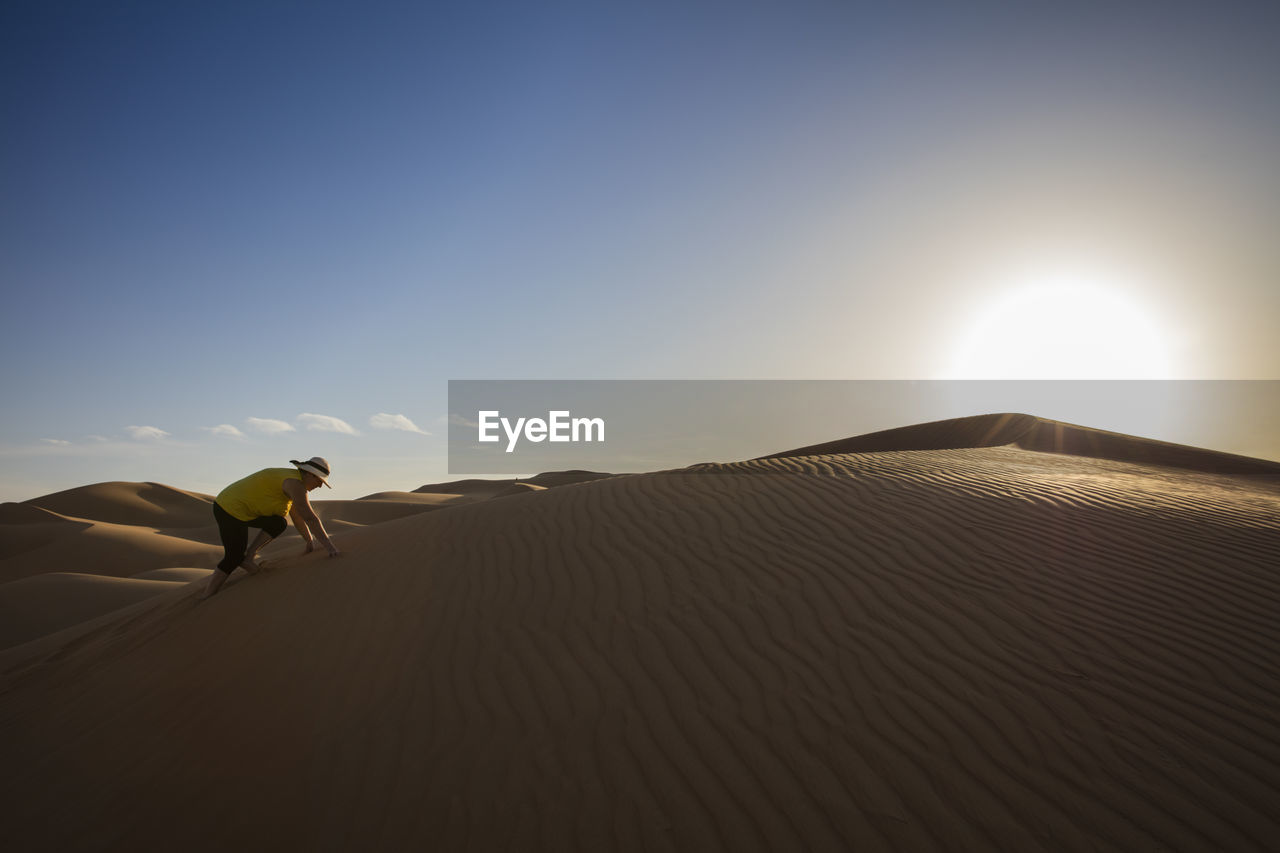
(1062, 327)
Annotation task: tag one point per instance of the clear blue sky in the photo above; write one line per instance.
(212, 212)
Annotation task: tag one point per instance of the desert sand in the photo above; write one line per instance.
(990, 633)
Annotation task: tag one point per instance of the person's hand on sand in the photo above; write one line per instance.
(333, 550)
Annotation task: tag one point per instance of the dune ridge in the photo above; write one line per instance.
(1033, 433)
(486, 488)
(986, 647)
(138, 504)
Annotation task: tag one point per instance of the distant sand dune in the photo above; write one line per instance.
(432, 499)
(551, 479)
(114, 529)
(979, 648)
(100, 548)
(371, 511)
(36, 606)
(25, 528)
(140, 504)
(485, 489)
(518, 489)
(24, 513)
(1032, 433)
(463, 487)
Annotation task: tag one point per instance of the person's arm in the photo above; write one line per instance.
(302, 507)
(300, 524)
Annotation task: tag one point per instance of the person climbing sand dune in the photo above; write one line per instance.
(262, 500)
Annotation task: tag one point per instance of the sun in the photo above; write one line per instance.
(1062, 326)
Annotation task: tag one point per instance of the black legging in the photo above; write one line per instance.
(235, 535)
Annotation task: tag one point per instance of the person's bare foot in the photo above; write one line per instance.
(216, 580)
(250, 566)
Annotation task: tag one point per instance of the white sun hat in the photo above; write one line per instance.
(317, 465)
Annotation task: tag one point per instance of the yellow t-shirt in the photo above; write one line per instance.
(259, 494)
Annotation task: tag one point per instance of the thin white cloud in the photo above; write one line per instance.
(270, 426)
(382, 420)
(325, 423)
(97, 438)
(224, 429)
(121, 447)
(56, 442)
(458, 420)
(146, 433)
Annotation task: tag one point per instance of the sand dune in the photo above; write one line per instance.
(36, 606)
(114, 529)
(141, 504)
(25, 513)
(551, 479)
(463, 487)
(1032, 433)
(518, 489)
(181, 575)
(428, 498)
(367, 511)
(485, 489)
(982, 647)
(25, 528)
(101, 548)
